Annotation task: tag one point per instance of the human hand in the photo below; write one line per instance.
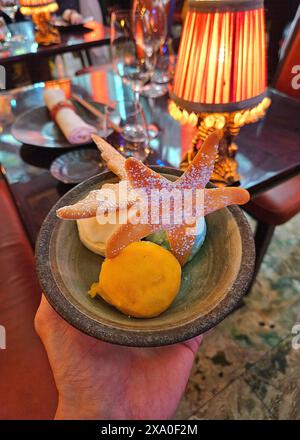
(97, 380)
(72, 16)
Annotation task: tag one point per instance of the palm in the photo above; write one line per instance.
(109, 381)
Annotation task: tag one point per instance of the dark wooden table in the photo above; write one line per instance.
(269, 151)
(95, 35)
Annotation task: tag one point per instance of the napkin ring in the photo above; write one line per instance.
(59, 106)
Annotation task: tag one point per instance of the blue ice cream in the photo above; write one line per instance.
(161, 239)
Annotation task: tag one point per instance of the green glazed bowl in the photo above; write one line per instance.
(213, 283)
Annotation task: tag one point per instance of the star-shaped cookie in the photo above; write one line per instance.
(196, 177)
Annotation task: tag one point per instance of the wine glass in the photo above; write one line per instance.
(165, 68)
(127, 59)
(150, 28)
(133, 139)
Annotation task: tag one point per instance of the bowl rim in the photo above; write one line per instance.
(138, 337)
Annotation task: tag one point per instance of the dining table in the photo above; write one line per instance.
(22, 46)
(268, 154)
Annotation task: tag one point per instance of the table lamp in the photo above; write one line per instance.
(46, 33)
(220, 77)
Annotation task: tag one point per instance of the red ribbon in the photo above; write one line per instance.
(59, 106)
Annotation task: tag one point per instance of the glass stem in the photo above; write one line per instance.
(136, 96)
(151, 62)
(105, 121)
(140, 108)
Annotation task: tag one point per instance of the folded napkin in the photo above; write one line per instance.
(73, 126)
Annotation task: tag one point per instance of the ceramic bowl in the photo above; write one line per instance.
(213, 283)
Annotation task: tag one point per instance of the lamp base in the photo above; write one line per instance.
(226, 167)
(46, 33)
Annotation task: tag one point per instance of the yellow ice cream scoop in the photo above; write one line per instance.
(142, 281)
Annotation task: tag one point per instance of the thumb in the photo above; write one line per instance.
(193, 344)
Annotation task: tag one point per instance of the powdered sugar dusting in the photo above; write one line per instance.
(140, 193)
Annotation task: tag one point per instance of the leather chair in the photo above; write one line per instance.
(27, 388)
(280, 204)
(273, 208)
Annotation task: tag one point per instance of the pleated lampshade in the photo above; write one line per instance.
(221, 63)
(28, 7)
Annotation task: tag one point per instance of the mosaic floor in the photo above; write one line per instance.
(246, 367)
